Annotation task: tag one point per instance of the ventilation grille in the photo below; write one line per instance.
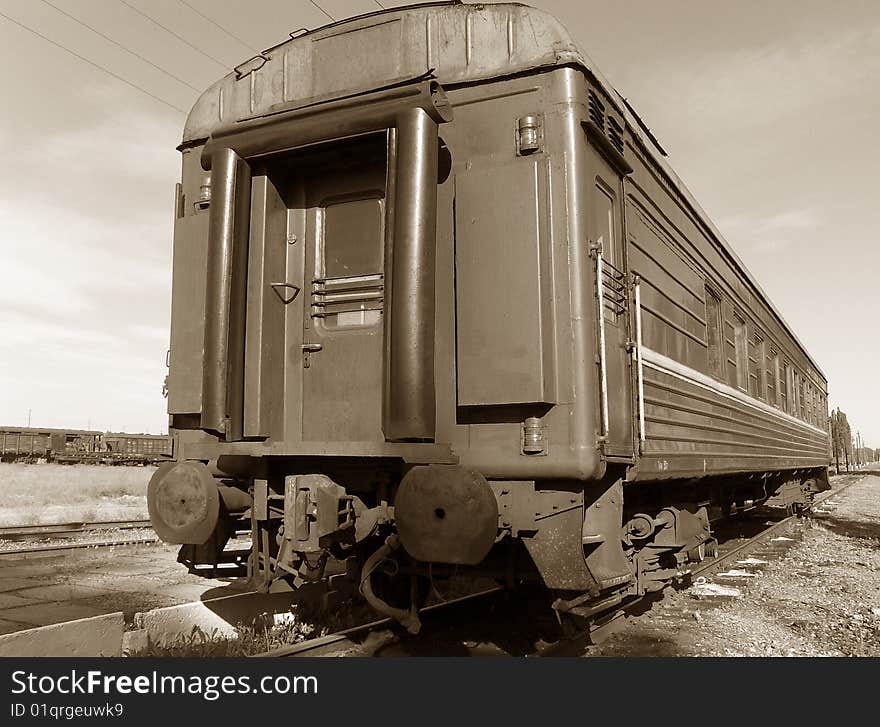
(597, 111)
(607, 125)
(615, 134)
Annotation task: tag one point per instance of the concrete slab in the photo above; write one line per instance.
(217, 617)
(59, 592)
(107, 583)
(12, 600)
(32, 570)
(12, 584)
(42, 614)
(185, 591)
(8, 627)
(98, 636)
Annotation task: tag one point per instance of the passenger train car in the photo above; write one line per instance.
(439, 298)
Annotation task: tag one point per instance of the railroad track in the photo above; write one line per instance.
(726, 557)
(32, 534)
(350, 641)
(60, 530)
(342, 641)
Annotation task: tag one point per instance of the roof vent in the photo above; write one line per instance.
(597, 110)
(615, 134)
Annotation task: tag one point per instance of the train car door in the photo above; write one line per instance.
(342, 325)
(605, 226)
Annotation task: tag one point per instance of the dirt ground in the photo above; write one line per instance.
(819, 596)
(57, 586)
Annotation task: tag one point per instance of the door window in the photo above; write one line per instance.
(349, 289)
(605, 224)
(353, 238)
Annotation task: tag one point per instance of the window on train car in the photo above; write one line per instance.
(605, 225)
(773, 375)
(352, 249)
(714, 334)
(352, 238)
(757, 387)
(741, 343)
(811, 404)
(613, 281)
(785, 388)
(801, 411)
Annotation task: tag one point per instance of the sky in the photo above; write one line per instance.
(767, 110)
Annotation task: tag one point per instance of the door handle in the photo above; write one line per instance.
(286, 291)
(307, 350)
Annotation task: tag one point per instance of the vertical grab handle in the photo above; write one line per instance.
(603, 364)
(640, 382)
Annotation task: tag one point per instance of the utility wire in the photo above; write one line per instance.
(120, 45)
(168, 30)
(322, 10)
(92, 63)
(216, 24)
(380, 4)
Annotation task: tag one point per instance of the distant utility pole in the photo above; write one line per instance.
(858, 449)
(29, 418)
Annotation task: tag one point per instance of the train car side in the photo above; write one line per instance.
(725, 387)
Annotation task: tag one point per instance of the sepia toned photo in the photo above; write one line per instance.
(359, 329)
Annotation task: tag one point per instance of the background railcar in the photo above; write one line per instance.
(24, 444)
(122, 448)
(446, 302)
(30, 444)
(74, 446)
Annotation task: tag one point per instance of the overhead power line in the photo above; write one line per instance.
(120, 45)
(92, 63)
(380, 4)
(217, 25)
(168, 30)
(322, 10)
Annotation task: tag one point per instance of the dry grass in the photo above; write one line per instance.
(32, 494)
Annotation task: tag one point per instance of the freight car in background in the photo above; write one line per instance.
(439, 298)
(30, 444)
(76, 446)
(122, 448)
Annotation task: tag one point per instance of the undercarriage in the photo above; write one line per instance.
(591, 544)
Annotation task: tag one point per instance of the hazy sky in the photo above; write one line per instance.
(767, 109)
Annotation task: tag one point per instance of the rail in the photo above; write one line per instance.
(31, 535)
(339, 638)
(19, 532)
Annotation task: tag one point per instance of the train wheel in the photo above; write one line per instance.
(698, 554)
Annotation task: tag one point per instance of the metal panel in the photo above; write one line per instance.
(696, 425)
(504, 334)
(264, 339)
(188, 314)
(456, 42)
(361, 49)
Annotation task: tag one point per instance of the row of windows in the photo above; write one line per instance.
(758, 368)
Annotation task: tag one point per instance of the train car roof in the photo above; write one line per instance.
(454, 42)
(46, 430)
(135, 435)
